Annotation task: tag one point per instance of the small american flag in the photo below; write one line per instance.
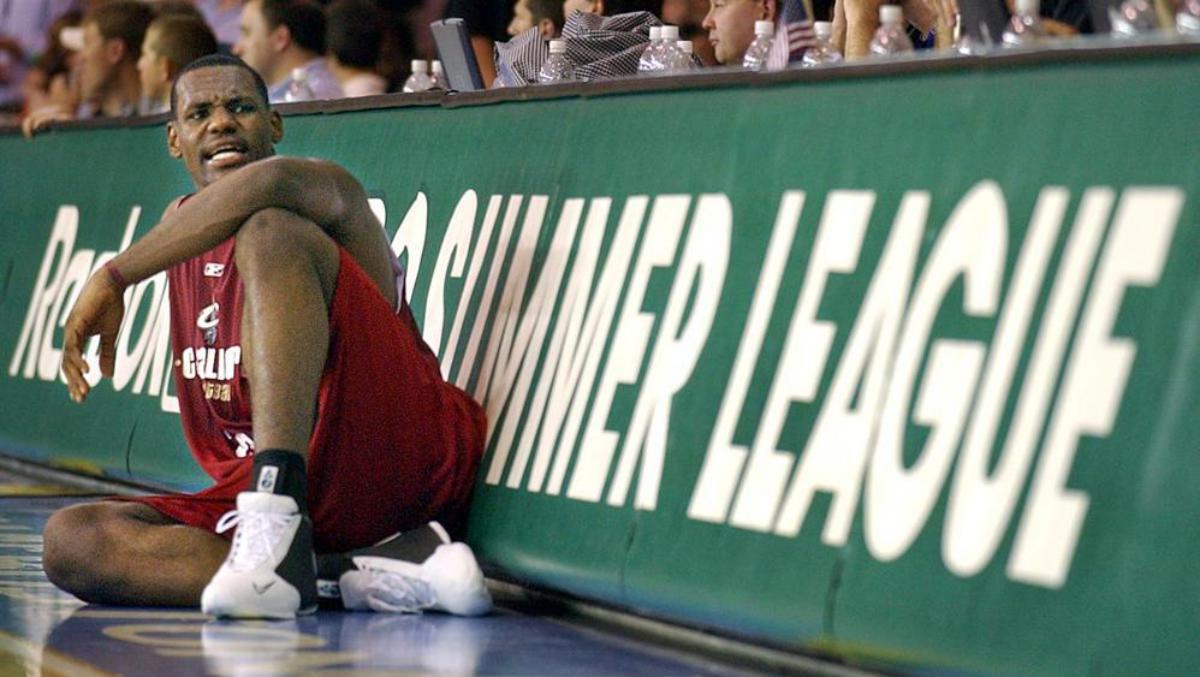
(793, 36)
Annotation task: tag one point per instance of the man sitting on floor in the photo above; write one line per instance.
(283, 286)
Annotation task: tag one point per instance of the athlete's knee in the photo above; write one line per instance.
(274, 244)
(80, 547)
(272, 237)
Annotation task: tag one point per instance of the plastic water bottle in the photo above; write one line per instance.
(681, 58)
(299, 89)
(756, 53)
(649, 62)
(823, 52)
(964, 43)
(1133, 17)
(558, 68)
(419, 81)
(890, 38)
(439, 76)
(1025, 28)
(668, 49)
(1187, 19)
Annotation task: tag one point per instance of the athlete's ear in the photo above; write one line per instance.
(173, 140)
(276, 127)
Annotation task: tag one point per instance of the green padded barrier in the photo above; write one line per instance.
(900, 365)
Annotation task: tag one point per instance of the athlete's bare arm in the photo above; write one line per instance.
(319, 192)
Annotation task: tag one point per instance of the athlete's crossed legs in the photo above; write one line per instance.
(129, 553)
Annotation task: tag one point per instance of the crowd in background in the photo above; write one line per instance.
(67, 59)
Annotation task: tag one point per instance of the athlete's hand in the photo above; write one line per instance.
(98, 311)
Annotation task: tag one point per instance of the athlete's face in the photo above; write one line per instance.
(221, 123)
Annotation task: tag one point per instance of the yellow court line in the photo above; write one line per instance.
(41, 490)
(119, 615)
(41, 660)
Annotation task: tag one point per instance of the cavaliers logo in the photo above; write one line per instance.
(207, 323)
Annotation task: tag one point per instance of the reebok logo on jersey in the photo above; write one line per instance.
(266, 481)
(214, 269)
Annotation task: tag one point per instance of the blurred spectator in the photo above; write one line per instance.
(612, 7)
(600, 47)
(730, 25)
(1062, 18)
(23, 30)
(175, 7)
(406, 36)
(172, 42)
(109, 85)
(855, 22)
(113, 33)
(487, 23)
(688, 15)
(48, 82)
(280, 36)
(545, 15)
(353, 36)
(223, 16)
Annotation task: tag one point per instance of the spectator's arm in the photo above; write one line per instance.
(37, 120)
(839, 25)
(484, 48)
(13, 47)
(920, 13)
(862, 18)
(1058, 29)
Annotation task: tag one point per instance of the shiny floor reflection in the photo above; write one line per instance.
(44, 631)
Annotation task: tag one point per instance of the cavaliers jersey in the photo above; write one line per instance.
(393, 445)
(214, 395)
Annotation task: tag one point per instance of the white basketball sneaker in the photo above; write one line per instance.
(449, 580)
(270, 571)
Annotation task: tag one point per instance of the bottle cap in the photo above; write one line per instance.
(823, 29)
(670, 33)
(655, 33)
(685, 46)
(420, 66)
(299, 74)
(1029, 7)
(891, 14)
(437, 66)
(558, 46)
(764, 27)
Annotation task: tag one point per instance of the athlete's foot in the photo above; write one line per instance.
(415, 545)
(270, 571)
(448, 580)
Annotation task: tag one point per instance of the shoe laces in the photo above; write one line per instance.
(257, 536)
(396, 592)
